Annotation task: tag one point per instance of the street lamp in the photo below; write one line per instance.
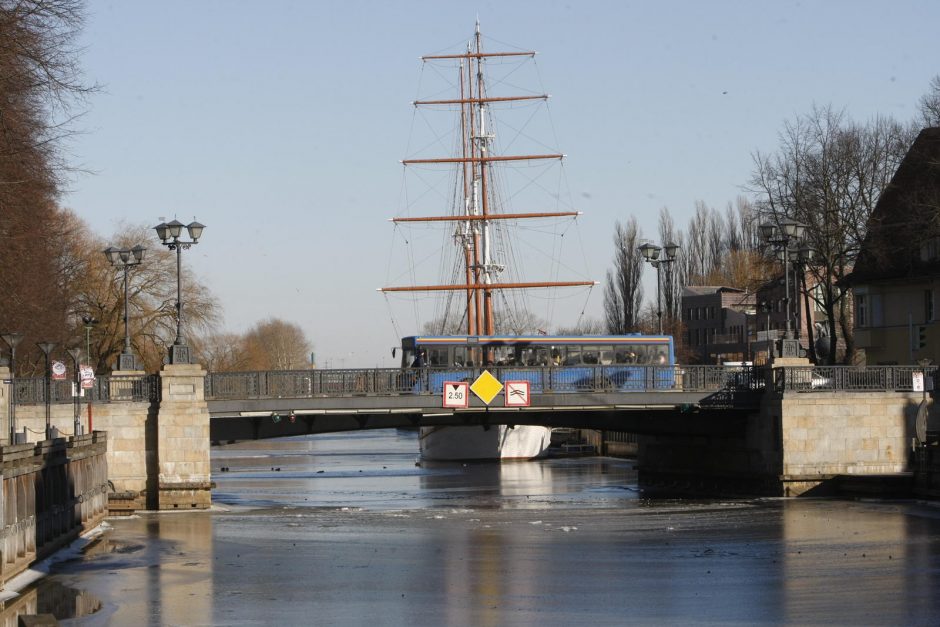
(126, 259)
(47, 348)
(658, 256)
(76, 355)
(169, 234)
(12, 339)
(781, 236)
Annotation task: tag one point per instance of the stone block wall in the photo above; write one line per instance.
(183, 439)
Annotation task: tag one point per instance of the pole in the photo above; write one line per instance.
(659, 304)
(91, 391)
(127, 333)
(12, 394)
(179, 302)
(48, 397)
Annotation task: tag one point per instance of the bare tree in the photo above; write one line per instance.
(930, 104)
(39, 87)
(98, 292)
(276, 344)
(828, 174)
(623, 291)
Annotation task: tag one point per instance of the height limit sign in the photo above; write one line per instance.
(456, 394)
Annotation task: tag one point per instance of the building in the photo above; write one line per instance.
(717, 322)
(897, 274)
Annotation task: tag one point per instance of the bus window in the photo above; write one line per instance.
(606, 355)
(437, 357)
(589, 354)
(463, 356)
(572, 356)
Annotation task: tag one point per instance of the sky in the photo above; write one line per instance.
(281, 126)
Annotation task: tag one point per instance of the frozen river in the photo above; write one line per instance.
(346, 530)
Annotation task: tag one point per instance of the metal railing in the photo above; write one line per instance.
(542, 380)
(848, 378)
(106, 389)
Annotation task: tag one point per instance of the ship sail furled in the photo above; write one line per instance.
(484, 261)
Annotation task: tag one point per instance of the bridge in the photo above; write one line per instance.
(689, 399)
(783, 430)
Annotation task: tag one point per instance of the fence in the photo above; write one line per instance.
(32, 391)
(849, 378)
(393, 381)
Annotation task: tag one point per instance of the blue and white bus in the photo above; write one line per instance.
(559, 363)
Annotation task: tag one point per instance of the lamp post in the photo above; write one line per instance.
(76, 355)
(47, 348)
(169, 234)
(12, 339)
(126, 259)
(658, 256)
(782, 236)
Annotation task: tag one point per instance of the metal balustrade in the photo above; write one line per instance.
(32, 391)
(542, 380)
(848, 378)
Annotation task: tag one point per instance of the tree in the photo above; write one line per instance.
(930, 104)
(98, 292)
(39, 88)
(623, 292)
(275, 344)
(828, 173)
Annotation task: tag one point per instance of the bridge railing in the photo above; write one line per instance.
(105, 389)
(848, 378)
(428, 381)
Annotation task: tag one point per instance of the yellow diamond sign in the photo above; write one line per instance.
(486, 387)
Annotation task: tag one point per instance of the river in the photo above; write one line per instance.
(346, 529)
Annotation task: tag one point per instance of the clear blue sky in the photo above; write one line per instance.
(280, 125)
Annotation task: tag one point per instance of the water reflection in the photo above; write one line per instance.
(48, 596)
(346, 534)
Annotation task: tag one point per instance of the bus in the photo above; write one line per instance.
(558, 363)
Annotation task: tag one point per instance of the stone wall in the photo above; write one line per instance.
(797, 443)
(50, 492)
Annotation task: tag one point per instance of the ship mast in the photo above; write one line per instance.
(473, 233)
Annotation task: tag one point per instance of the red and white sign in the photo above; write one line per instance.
(517, 394)
(456, 394)
(58, 371)
(87, 375)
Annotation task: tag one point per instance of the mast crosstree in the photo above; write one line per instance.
(480, 270)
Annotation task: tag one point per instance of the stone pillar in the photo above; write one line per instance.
(183, 439)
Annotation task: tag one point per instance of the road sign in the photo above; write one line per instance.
(917, 381)
(87, 375)
(517, 394)
(486, 387)
(456, 394)
(58, 371)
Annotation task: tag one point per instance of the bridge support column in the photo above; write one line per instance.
(5, 392)
(183, 439)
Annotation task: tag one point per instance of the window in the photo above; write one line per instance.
(861, 310)
(928, 305)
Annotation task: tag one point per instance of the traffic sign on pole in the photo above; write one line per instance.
(517, 394)
(456, 394)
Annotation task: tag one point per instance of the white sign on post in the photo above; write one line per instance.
(87, 375)
(456, 394)
(917, 381)
(517, 394)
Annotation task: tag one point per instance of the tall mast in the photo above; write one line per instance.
(472, 231)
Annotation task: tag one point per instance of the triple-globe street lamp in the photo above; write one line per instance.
(659, 256)
(785, 237)
(125, 258)
(169, 234)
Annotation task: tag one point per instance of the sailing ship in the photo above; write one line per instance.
(478, 223)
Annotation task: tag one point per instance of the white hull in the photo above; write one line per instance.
(496, 442)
